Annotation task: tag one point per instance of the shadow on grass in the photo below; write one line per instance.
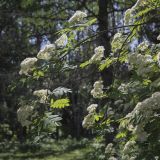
(67, 154)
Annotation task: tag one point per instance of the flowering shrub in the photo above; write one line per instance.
(132, 102)
(130, 115)
(38, 110)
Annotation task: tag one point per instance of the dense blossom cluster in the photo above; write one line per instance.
(158, 58)
(89, 119)
(27, 65)
(127, 17)
(42, 94)
(23, 113)
(92, 108)
(129, 14)
(99, 54)
(78, 17)
(112, 158)
(145, 109)
(62, 41)
(117, 42)
(97, 91)
(142, 62)
(143, 46)
(128, 147)
(110, 150)
(47, 52)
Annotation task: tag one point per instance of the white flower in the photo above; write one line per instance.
(156, 100)
(148, 59)
(78, 16)
(99, 54)
(109, 148)
(62, 41)
(140, 133)
(143, 46)
(99, 50)
(158, 58)
(97, 91)
(145, 109)
(27, 65)
(158, 38)
(129, 147)
(139, 3)
(117, 42)
(128, 19)
(142, 62)
(23, 114)
(42, 94)
(47, 52)
(125, 157)
(132, 158)
(112, 158)
(92, 108)
(88, 121)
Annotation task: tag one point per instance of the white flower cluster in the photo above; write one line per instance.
(129, 14)
(158, 38)
(142, 62)
(42, 94)
(128, 19)
(143, 46)
(140, 3)
(117, 42)
(89, 120)
(92, 108)
(127, 157)
(77, 17)
(112, 158)
(47, 52)
(99, 54)
(141, 135)
(27, 65)
(23, 113)
(62, 41)
(97, 91)
(129, 88)
(109, 150)
(146, 109)
(128, 147)
(158, 58)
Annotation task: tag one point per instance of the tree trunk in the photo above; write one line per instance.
(104, 39)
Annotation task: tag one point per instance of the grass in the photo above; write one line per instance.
(64, 150)
(78, 154)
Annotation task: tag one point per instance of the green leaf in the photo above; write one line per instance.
(60, 103)
(83, 65)
(97, 117)
(89, 23)
(146, 82)
(121, 135)
(38, 74)
(106, 64)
